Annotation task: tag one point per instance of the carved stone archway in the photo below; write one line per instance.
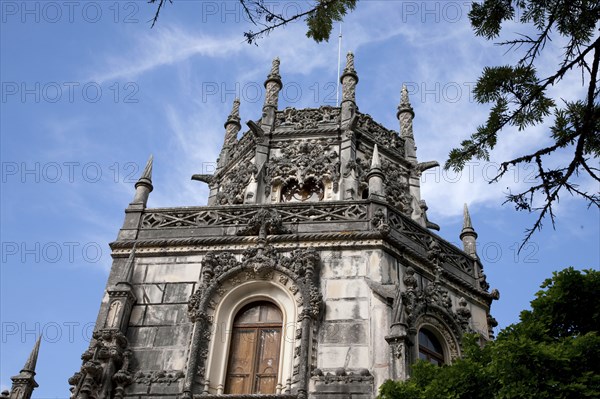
(221, 272)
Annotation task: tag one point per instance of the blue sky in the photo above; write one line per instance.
(89, 91)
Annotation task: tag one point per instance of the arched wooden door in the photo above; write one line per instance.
(253, 362)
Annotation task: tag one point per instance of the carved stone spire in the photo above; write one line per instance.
(24, 383)
(468, 235)
(232, 125)
(405, 114)
(272, 87)
(375, 175)
(349, 80)
(144, 187)
(375, 162)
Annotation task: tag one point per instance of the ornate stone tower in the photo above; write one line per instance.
(312, 273)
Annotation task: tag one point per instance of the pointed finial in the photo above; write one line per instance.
(466, 219)
(375, 162)
(33, 356)
(234, 118)
(405, 105)
(273, 85)
(275, 68)
(235, 110)
(468, 236)
(146, 176)
(143, 187)
(349, 63)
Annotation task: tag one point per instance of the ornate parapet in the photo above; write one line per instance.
(169, 218)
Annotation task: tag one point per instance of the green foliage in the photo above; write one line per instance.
(569, 304)
(552, 353)
(519, 99)
(320, 22)
(319, 18)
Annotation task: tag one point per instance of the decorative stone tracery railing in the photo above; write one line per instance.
(417, 236)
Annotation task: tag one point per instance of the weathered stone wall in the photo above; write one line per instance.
(159, 330)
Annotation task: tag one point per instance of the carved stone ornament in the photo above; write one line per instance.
(263, 223)
(432, 300)
(105, 370)
(304, 161)
(435, 253)
(232, 184)
(309, 118)
(385, 138)
(379, 222)
(349, 88)
(397, 192)
(161, 377)
(360, 167)
(397, 350)
(221, 269)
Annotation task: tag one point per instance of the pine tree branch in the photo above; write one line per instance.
(251, 37)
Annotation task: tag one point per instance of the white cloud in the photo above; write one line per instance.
(169, 46)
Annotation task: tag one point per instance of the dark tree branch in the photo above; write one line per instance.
(161, 3)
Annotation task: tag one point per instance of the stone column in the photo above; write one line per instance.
(349, 80)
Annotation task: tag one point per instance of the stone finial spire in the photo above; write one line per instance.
(33, 356)
(143, 187)
(274, 74)
(349, 63)
(273, 85)
(349, 80)
(467, 224)
(24, 383)
(375, 161)
(375, 175)
(232, 125)
(468, 235)
(405, 114)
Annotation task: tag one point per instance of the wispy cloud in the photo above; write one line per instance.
(169, 46)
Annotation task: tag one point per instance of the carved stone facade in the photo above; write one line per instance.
(317, 212)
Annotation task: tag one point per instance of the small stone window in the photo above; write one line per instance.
(254, 352)
(311, 191)
(430, 348)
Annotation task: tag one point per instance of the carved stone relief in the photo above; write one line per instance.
(233, 183)
(304, 162)
(310, 118)
(105, 370)
(382, 136)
